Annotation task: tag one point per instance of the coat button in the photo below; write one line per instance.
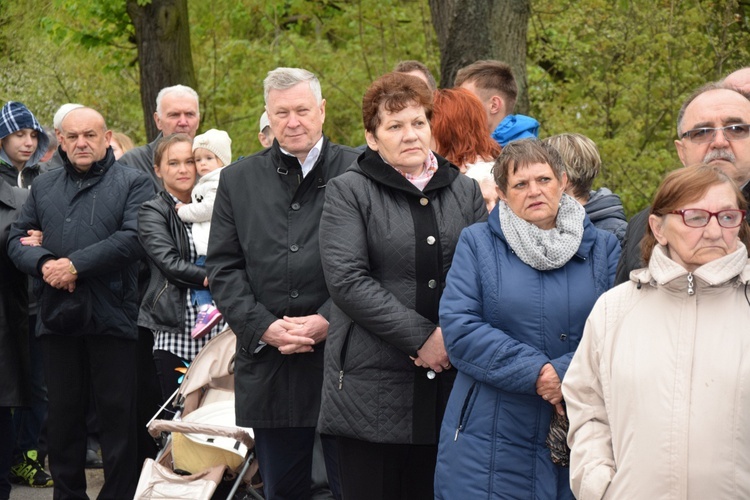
(431, 240)
(294, 248)
(563, 337)
(432, 284)
(294, 294)
(295, 206)
(423, 201)
(67, 220)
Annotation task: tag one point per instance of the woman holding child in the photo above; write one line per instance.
(168, 308)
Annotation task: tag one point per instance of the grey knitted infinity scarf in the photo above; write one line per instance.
(545, 249)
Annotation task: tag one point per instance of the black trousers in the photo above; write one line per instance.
(374, 471)
(285, 459)
(6, 450)
(76, 367)
(148, 398)
(169, 378)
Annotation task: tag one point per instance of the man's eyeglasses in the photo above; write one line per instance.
(696, 217)
(734, 132)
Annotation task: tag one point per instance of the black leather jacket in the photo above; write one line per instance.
(165, 239)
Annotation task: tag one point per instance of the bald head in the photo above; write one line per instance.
(739, 80)
(85, 137)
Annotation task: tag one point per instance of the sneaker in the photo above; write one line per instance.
(208, 317)
(30, 472)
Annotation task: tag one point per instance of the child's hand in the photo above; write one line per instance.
(179, 206)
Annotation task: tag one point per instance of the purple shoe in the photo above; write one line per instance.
(208, 317)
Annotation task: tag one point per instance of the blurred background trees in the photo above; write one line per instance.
(615, 70)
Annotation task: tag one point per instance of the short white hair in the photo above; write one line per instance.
(62, 111)
(286, 78)
(179, 91)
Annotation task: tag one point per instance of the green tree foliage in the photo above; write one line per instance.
(619, 71)
(346, 44)
(47, 60)
(71, 51)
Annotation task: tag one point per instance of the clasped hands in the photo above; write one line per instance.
(432, 353)
(549, 387)
(56, 273)
(296, 334)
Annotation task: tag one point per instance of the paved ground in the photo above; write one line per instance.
(94, 481)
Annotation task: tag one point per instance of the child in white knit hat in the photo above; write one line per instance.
(212, 151)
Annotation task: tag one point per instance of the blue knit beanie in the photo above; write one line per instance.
(15, 116)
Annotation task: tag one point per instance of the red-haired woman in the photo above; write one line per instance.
(459, 129)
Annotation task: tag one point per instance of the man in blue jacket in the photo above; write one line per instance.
(494, 84)
(86, 268)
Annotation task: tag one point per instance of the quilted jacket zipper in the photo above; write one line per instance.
(464, 411)
(93, 208)
(342, 356)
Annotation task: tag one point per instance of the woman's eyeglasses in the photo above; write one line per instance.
(696, 217)
(734, 132)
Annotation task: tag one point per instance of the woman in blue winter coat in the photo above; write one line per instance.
(517, 296)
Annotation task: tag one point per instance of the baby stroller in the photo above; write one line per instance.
(204, 453)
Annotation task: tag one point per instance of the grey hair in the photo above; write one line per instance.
(699, 91)
(522, 153)
(286, 78)
(62, 111)
(178, 90)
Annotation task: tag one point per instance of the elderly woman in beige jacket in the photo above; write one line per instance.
(658, 393)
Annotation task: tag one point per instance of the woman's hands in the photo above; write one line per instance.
(34, 238)
(433, 354)
(549, 387)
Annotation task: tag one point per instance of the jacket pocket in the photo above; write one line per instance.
(342, 354)
(62, 311)
(116, 286)
(466, 409)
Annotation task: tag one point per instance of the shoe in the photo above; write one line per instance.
(93, 460)
(208, 317)
(28, 471)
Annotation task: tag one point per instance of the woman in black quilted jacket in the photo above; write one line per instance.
(388, 231)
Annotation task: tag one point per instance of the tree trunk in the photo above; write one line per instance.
(470, 30)
(162, 36)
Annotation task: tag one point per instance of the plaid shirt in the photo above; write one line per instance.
(183, 345)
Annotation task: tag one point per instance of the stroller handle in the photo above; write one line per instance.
(237, 433)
